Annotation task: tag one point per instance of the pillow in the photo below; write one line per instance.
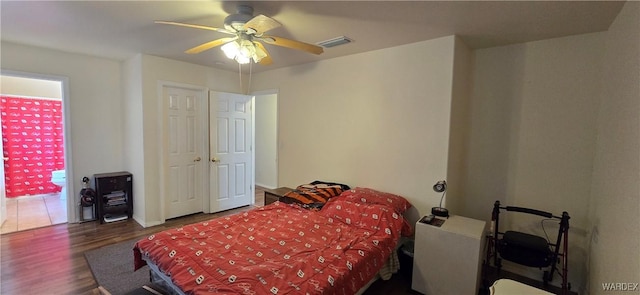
(371, 196)
(373, 217)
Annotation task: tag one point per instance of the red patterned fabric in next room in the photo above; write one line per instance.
(32, 137)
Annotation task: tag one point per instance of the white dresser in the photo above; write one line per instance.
(448, 258)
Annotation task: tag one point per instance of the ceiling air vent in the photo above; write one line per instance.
(335, 42)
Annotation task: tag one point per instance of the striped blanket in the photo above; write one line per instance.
(314, 194)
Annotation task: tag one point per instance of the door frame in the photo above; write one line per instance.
(162, 140)
(72, 214)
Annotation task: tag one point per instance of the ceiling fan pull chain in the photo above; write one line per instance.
(240, 75)
(249, 83)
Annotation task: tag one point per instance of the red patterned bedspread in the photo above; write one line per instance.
(278, 249)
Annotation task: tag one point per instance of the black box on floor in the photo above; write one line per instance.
(405, 257)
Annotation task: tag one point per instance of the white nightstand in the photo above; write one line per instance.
(448, 258)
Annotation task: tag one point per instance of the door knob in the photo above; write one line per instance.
(215, 160)
(197, 159)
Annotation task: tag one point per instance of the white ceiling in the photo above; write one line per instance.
(120, 29)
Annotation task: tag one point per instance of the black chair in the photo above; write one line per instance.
(530, 250)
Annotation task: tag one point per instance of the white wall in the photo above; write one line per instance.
(266, 134)
(95, 97)
(378, 119)
(22, 86)
(533, 135)
(134, 132)
(615, 197)
(457, 195)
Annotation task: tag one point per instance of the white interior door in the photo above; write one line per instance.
(186, 152)
(230, 149)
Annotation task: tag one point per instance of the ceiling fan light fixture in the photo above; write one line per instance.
(247, 48)
(247, 29)
(231, 49)
(241, 59)
(243, 51)
(259, 54)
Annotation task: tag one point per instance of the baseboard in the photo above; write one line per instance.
(266, 186)
(146, 224)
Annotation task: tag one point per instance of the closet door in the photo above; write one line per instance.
(230, 148)
(185, 172)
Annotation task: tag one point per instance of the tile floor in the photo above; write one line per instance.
(44, 210)
(34, 211)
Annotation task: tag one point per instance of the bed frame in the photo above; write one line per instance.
(157, 277)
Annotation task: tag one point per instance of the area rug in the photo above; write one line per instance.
(112, 267)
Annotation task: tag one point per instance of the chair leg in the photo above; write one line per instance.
(564, 224)
(546, 278)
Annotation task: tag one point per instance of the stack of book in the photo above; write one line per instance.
(115, 198)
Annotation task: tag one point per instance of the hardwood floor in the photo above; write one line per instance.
(50, 260)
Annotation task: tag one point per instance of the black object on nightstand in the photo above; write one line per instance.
(114, 196)
(272, 195)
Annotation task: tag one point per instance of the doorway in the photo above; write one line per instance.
(265, 134)
(33, 188)
(266, 139)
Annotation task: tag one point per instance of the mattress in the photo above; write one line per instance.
(159, 278)
(278, 249)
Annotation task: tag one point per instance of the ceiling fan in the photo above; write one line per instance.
(247, 32)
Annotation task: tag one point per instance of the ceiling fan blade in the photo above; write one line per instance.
(293, 44)
(209, 45)
(261, 23)
(266, 60)
(195, 26)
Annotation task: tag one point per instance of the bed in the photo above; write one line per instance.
(282, 248)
